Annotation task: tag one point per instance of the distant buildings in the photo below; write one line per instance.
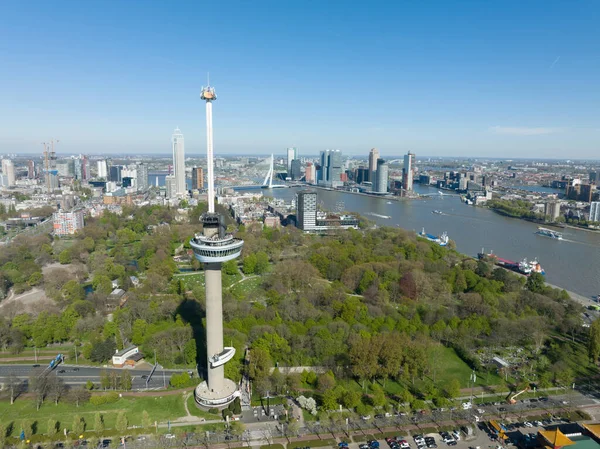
(381, 185)
(198, 178)
(67, 223)
(170, 186)
(408, 171)
(102, 169)
(141, 176)
(552, 210)
(115, 173)
(8, 170)
(330, 173)
(296, 172)
(373, 156)
(595, 211)
(310, 173)
(579, 192)
(178, 164)
(31, 169)
(292, 153)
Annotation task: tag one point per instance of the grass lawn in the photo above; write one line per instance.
(195, 411)
(160, 408)
(197, 279)
(247, 286)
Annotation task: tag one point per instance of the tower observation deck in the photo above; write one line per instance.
(212, 247)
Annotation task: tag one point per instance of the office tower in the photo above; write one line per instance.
(595, 211)
(362, 175)
(198, 178)
(115, 173)
(292, 153)
(295, 171)
(310, 173)
(179, 163)
(63, 168)
(85, 168)
(170, 186)
(102, 169)
(373, 156)
(67, 223)
(334, 177)
(52, 180)
(594, 177)
(408, 171)
(31, 169)
(552, 210)
(324, 170)
(8, 169)
(213, 247)
(141, 175)
(382, 176)
(306, 210)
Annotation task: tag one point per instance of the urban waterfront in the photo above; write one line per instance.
(572, 263)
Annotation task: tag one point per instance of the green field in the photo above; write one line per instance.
(197, 279)
(159, 408)
(195, 411)
(247, 286)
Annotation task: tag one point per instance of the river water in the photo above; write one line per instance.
(573, 263)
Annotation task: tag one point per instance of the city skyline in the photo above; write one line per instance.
(478, 80)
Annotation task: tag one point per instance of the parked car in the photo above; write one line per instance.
(527, 424)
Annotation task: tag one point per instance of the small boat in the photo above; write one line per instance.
(389, 202)
(387, 217)
(549, 233)
(439, 212)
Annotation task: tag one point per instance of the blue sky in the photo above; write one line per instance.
(475, 78)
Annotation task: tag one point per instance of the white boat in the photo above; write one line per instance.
(389, 202)
(387, 217)
(549, 233)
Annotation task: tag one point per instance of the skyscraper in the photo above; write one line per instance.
(306, 210)
(213, 247)
(408, 171)
(67, 223)
(336, 167)
(31, 169)
(595, 211)
(324, 170)
(310, 173)
(115, 173)
(170, 187)
(373, 156)
(141, 175)
(179, 163)
(296, 172)
(292, 153)
(382, 177)
(8, 169)
(197, 178)
(102, 169)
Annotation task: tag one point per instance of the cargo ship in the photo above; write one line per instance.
(525, 266)
(441, 240)
(549, 233)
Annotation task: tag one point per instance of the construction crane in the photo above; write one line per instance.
(49, 157)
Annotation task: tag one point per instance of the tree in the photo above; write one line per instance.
(535, 283)
(351, 399)
(262, 262)
(102, 284)
(126, 380)
(594, 341)
(453, 388)
(73, 291)
(102, 351)
(237, 428)
(64, 257)
(230, 267)
(78, 425)
(122, 423)
(329, 400)
(104, 379)
(2, 435)
(378, 398)
(249, 264)
(146, 421)
(98, 423)
(39, 385)
(52, 427)
(79, 395)
(14, 387)
(260, 364)
(326, 382)
(56, 388)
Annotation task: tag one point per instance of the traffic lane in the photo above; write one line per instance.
(25, 370)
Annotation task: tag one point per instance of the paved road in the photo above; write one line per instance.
(79, 375)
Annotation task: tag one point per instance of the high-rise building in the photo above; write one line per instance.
(85, 168)
(67, 223)
(292, 153)
(306, 210)
(310, 173)
(362, 175)
(595, 211)
(179, 163)
(102, 169)
(552, 210)
(8, 169)
(31, 169)
(213, 247)
(198, 178)
(324, 170)
(382, 177)
(594, 176)
(373, 156)
(408, 171)
(115, 173)
(170, 186)
(296, 172)
(52, 180)
(141, 175)
(335, 168)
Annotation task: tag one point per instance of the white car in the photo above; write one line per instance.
(527, 424)
(170, 436)
(456, 435)
(480, 411)
(467, 405)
